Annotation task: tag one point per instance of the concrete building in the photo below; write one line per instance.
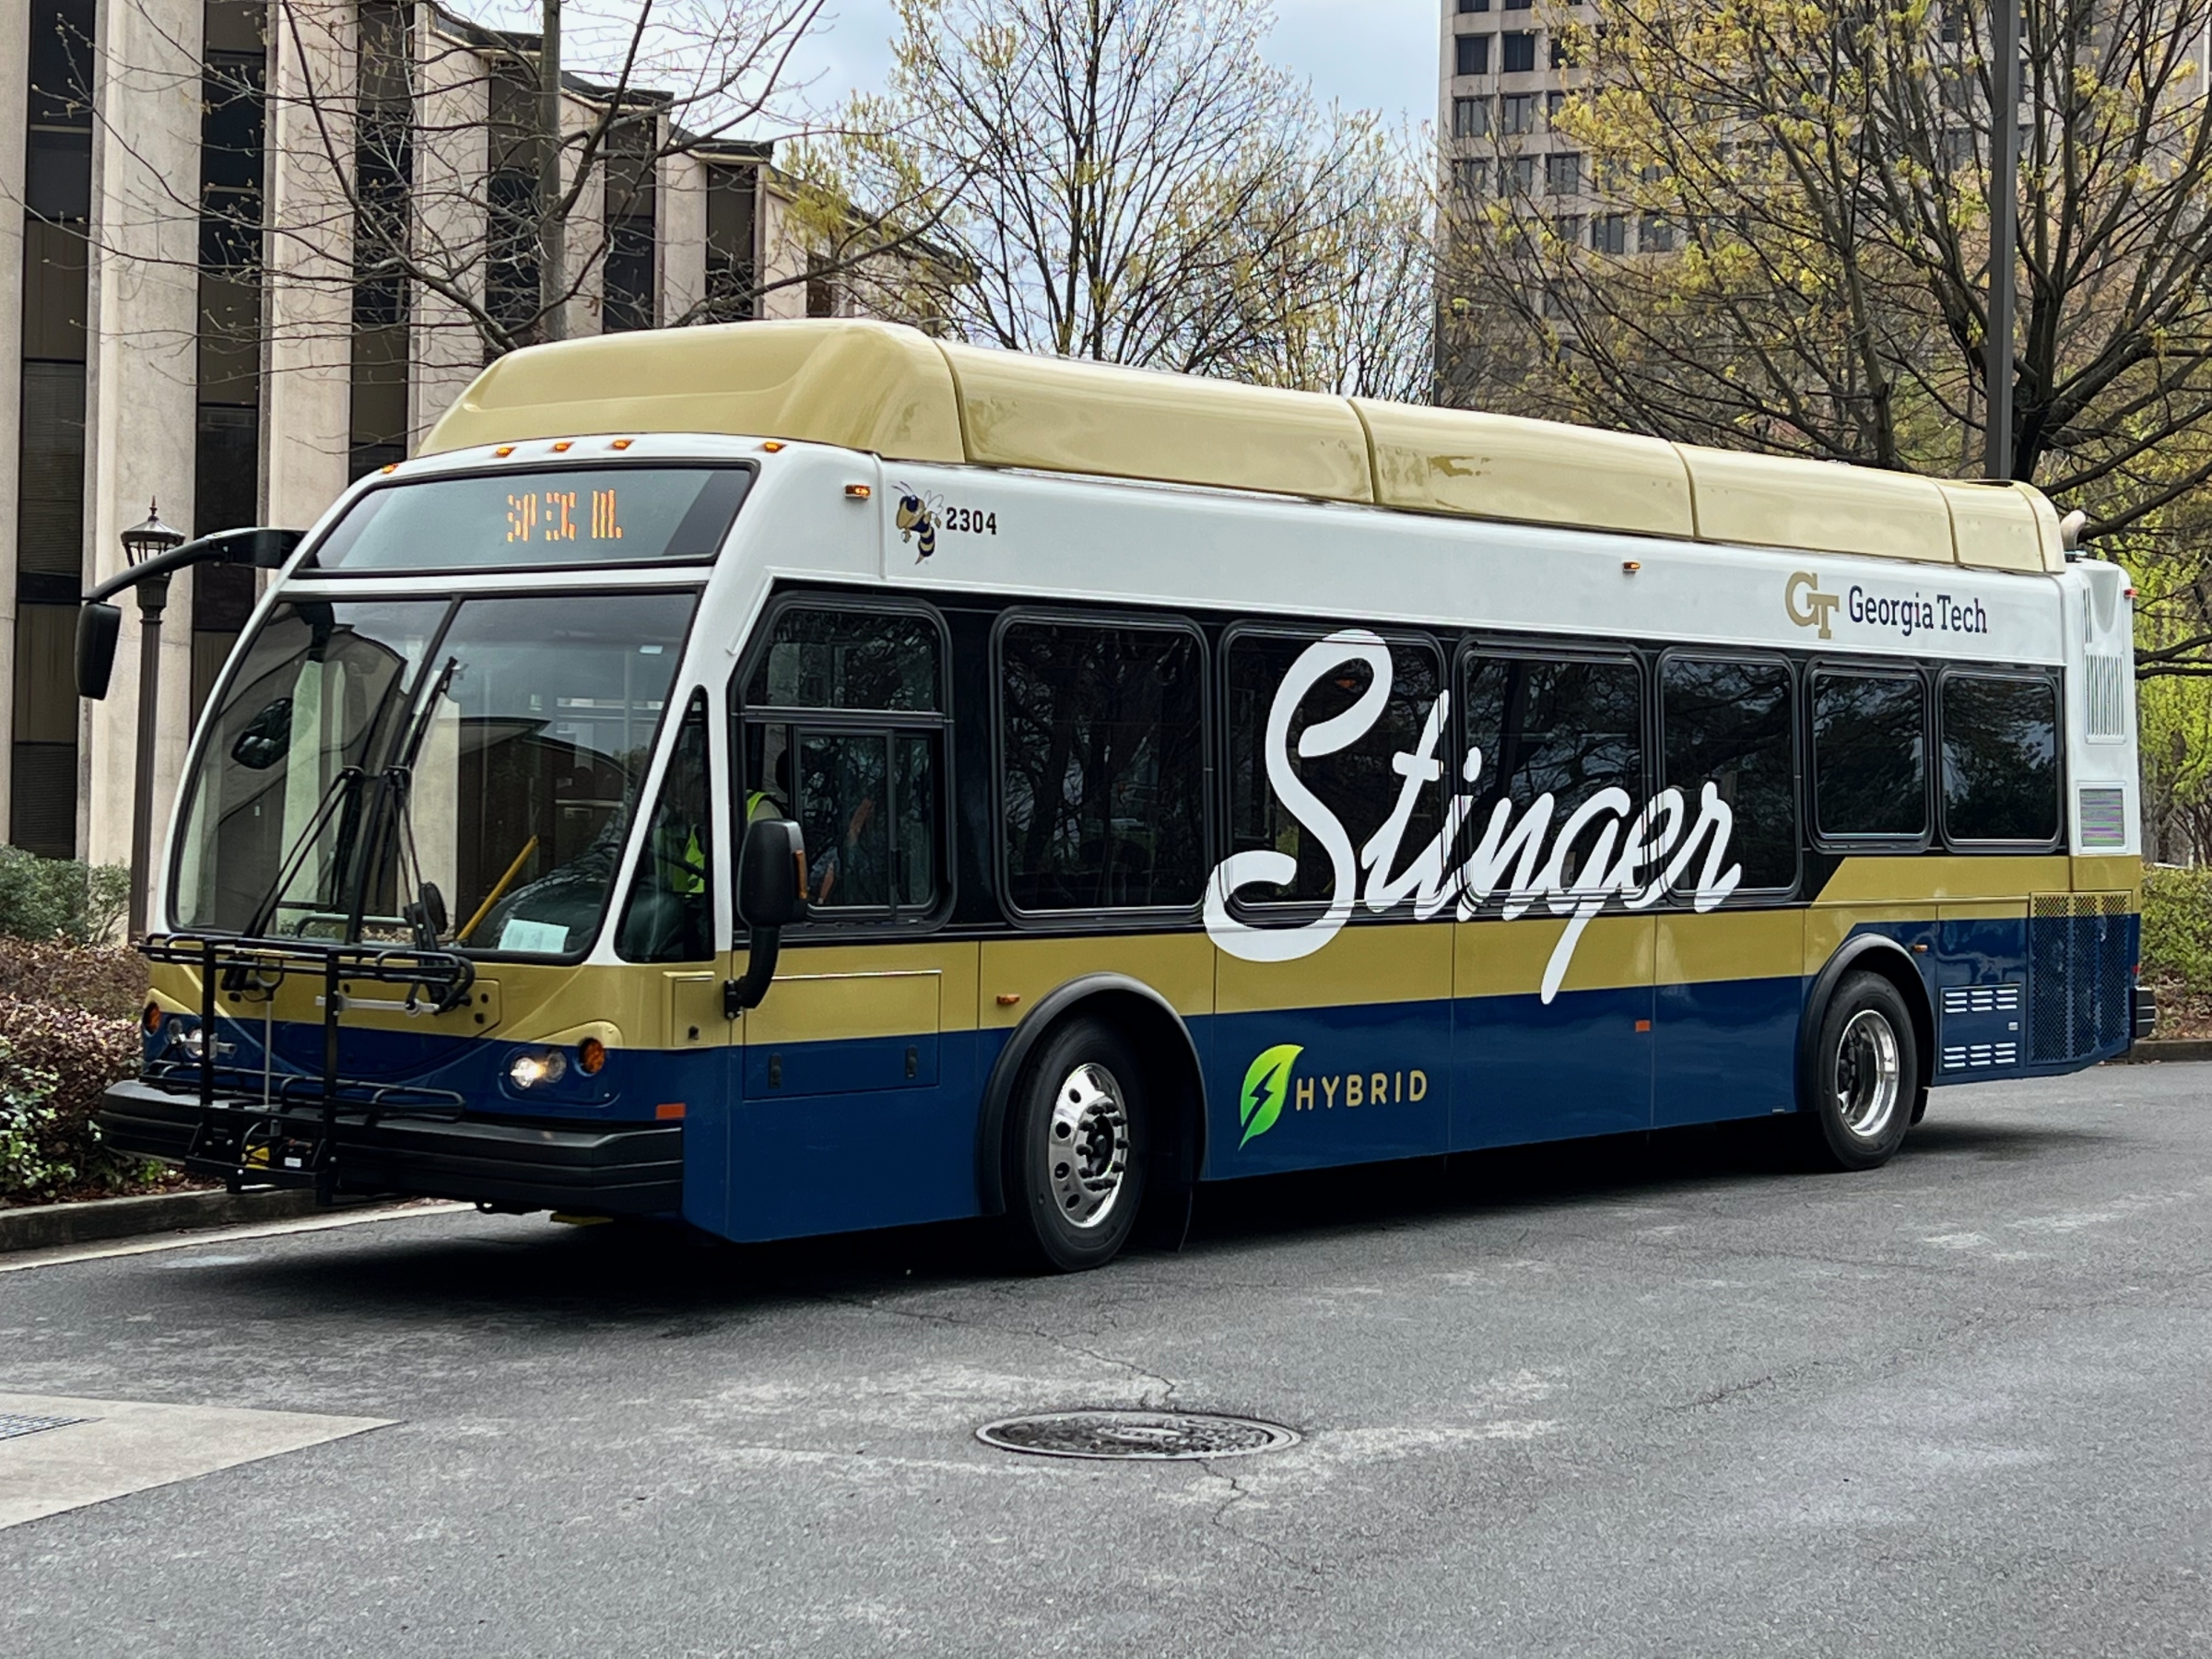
(203, 199)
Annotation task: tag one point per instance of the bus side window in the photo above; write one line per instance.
(1357, 783)
(1102, 784)
(1870, 755)
(842, 731)
(669, 916)
(1732, 725)
(2000, 759)
(1559, 727)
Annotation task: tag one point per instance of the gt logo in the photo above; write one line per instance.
(1807, 604)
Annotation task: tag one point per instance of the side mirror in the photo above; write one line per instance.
(772, 875)
(772, 894)
(98, 628)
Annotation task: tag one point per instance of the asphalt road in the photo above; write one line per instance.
(1614, 1399)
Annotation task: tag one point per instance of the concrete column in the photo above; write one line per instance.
(681, 229)
(15, 89)
(141, 413)
(781, 259)
(584, 246)
(452, 109)
(307, 386)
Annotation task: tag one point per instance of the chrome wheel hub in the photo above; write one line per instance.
(1867, 1075)
(1086, 1147)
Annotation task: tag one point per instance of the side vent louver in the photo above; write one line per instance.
(2081, 947)
(2107, 688)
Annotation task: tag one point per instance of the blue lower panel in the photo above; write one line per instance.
(820, 1163)
(1365, 1084)
(1527, 1070)
(1726, 1049)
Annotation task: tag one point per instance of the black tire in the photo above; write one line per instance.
(1865, 1077)
(1074, 1178)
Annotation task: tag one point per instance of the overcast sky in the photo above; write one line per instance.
(1375, 54)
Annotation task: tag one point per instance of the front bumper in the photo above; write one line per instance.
(611, 1170)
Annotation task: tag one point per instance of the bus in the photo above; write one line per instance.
(805, 776)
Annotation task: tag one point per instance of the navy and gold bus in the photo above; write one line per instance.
(801, 777)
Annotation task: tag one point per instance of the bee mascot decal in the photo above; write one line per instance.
(917, 521)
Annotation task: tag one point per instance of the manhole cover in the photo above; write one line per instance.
(1153, 1434)
(13, 1424)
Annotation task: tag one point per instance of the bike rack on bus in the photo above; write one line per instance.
(263, 1142)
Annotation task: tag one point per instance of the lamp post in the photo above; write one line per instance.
(141, 543)
(2004, 214)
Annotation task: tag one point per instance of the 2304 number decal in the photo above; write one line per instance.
(970, 521)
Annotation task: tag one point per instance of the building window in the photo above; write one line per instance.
(1473, 54)
(1469, 173)
(630, 276)
(1517, 176)
(1609, 233)
(1474, 5)
(1470, 118)
(1870, 754)
(1561, 57)
(1102, 757)
(1563, 173)
(1553, 103)
(1566, 229)
(733, 200)
(1518, 113)
(1518, 53)
(1731, 725)
(2000, 759)
(1517, 5)
(1656, 234)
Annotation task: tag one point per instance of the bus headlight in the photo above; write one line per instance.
(532, 1066)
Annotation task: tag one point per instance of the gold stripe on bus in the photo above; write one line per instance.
(1507, 959)
(1018, 973)
(1730, 945)
(1396, 963)
(1982, 909)
(1927, 875)
(1827, 926)
(2107, 874)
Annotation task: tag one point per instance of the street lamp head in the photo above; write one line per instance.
(142, 542)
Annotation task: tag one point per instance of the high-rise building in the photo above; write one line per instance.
(261, 245)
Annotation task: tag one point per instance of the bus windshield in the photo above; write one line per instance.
(457, 771)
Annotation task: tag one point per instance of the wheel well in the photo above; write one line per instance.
(1172, 1084)
(1892, 964)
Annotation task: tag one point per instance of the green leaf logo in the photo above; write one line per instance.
(1266, 1082)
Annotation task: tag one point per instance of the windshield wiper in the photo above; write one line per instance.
(336, 794)
(425, 913)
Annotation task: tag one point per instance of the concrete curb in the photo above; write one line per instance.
(2171, 1048)
(43, 1225)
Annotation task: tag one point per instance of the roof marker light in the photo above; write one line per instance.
(391, 466)
(504, 451)
(622, 444)
(772, 446)
(561, 448)
(1631, 565)
(857, 492)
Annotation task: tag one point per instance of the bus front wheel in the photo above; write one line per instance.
(1865, 1077)
(1076, 1147)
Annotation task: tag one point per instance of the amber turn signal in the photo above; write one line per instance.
(591, 1054)
(153, 1018)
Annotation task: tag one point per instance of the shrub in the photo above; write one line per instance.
(56, 1062)
(101, 979)
(2177, 928)
(32, 1155)
(59, 897)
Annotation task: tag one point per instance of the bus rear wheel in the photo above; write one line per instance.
(1076, 1147)
(1865, 1077)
